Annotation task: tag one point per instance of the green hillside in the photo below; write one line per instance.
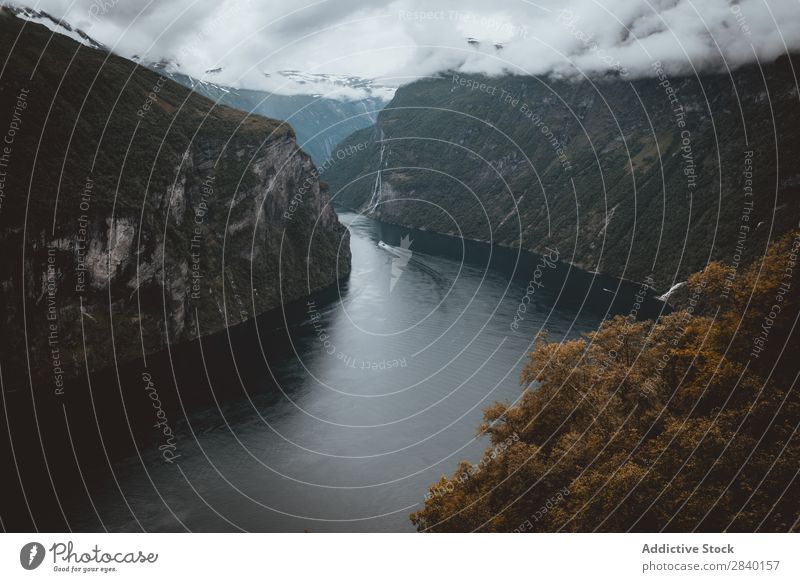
(627, 177)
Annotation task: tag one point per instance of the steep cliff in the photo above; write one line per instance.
(135, 213)
(628, 177)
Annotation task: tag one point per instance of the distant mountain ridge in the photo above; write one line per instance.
(323, 110)
(54, 24)
(656, 175)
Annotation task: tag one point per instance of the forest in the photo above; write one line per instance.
(687, 423)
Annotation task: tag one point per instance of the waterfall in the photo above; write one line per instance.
(376, 189)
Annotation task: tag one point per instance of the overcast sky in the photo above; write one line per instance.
(403, 39)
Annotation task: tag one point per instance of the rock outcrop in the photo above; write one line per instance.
(137, 214)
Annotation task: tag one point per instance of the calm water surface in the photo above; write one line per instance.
(376, 390)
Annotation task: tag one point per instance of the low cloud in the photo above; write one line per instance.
(396, 41)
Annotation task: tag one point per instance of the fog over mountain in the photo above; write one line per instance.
(399, 40)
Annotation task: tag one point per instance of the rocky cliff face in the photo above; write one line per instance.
(136, 214)
(629, 177)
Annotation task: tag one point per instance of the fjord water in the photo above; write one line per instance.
(337, 414)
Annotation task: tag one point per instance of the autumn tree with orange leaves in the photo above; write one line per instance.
(688, 423)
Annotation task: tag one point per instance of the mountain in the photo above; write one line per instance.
(135, 213)
(322, 109)
(630, 178)
(53, 24)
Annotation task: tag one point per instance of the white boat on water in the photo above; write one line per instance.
(396, 251)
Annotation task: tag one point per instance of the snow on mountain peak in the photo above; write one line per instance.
(54, 24)
(282, 82)
(344, 87)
